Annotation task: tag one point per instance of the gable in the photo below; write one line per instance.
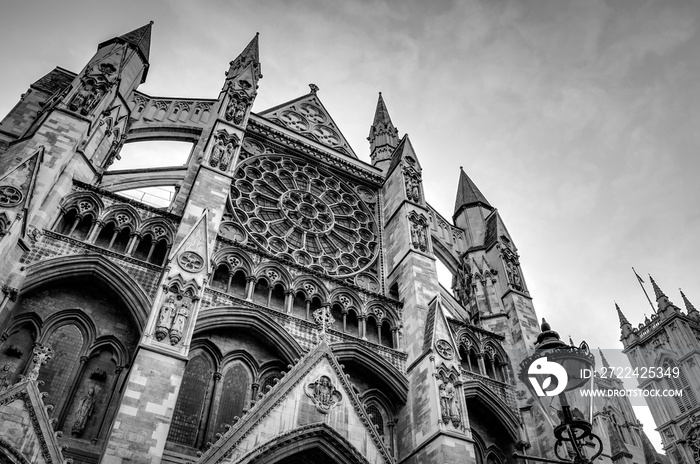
(26, 434)
(314, 395)
(307, 116)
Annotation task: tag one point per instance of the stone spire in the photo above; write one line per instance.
(383, 136)
(249, 58)
(605, 362)
(625, 326)
(658, 293)
(690, 309)
(623, 319)
(662, 301)
(139, 38)
(468, 194)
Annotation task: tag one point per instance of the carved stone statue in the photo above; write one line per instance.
(514, 276)
(235, 111)
(323, 393)
(85, 100)
(462, 283)
(226, 158)
(165, 318)
(217, 152)
(84, 411)
(446, 397)
(179, 324)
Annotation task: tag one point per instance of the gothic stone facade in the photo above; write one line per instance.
(670, 339)
(285, 306)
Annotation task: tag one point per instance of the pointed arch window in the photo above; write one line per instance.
(234, 395)
(688, 400)
(186, 426)
(67, 344)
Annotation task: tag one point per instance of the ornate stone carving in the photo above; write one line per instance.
(178, 327)
(324, 318)
(444, 349)
(191, 261)
(300, 212)
(236, 108)
(84, 411)
(324, 394)
(165, 317)
(10, 196)
(222, 151)
(419, 231)
(412, 180)
(42, 355)
(449, 405)
(462, 282)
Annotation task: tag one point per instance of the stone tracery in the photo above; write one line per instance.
(304, 214)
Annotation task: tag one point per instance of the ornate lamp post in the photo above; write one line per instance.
(556, 374)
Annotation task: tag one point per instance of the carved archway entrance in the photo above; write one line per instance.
(312, 444)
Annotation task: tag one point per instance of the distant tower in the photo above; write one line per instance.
(669, 341)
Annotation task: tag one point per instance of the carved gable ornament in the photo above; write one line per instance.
(324, 394)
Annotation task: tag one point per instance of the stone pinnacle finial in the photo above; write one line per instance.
(314, 88)
(623, 319)
(688, 305)
(605, 362)
(571, 341)
(657, 291)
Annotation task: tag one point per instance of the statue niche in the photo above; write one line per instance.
(222, 152)
(419, 231)
(84, 411)
(173, 314)
(236, 108)
(412, 181)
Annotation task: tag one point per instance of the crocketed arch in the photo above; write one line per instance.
(316, 443)
(254, 321)
(386, 374)
(134, 298)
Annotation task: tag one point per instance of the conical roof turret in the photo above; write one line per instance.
(139, 38)
(621, 316)
(383, 136)
(468, 194)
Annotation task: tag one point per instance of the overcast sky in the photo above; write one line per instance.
(578, 119)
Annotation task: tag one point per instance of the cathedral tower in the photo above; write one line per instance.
(667, 342)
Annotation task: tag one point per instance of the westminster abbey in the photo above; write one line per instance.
(283, 307)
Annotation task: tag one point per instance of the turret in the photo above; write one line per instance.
(625, 326)
(117, 68)
(690, 309)
(666, 308)
(241, 84)
(383, 137)
(471, 210)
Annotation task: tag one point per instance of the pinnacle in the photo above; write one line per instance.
(657, 291)
(381, 114)
(623, 319)
(140, 38)
(468, 193)
(251, 51)
(688, 305)
(602, 358)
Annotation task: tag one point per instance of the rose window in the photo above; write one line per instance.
(303, 213)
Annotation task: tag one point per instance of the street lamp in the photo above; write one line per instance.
(556, 375)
